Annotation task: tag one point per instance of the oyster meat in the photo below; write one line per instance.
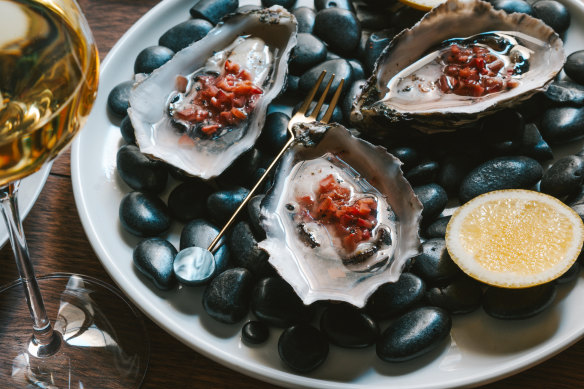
(463, 61)
(340, 218)
(207, 105)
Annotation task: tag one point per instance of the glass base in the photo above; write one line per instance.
(103, 340)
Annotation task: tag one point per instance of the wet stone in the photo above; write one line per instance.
(200, 233)
(511, 6)
(565, 92)
(194, 266)
(337, 112)
(185, 33)
(255, 332)
(394, 298)
(152, 58)
(187, 201)
(339, 67)
(570, 275)
(274, 133)
(502, 132)
(226, 297)
(358, 71)
(305, 17)
(414, 334)
(463, 295)
(242, 170)
(574, 66)
(409, 156)
(437, 229)
(245, 251)
(434, 264)
(346, 326)
(350, 96)
(154, 257)
(118, 100)
(330, 21)
(424, 173)
(532, 144)
(562, 124)
(309, 51)
(345, 4)
(143, 214)
(503, 303)
(371, 19)
(375, 44)
(140, 172)
(254, 213)
(274, 302)
(127, 130)
(213, 10)
(553, 13)
(500, 173)
(453, 169)
(288, 4)
(292, 87)
(303, 348)
(222, 204)
(434, 198)
(564, 177)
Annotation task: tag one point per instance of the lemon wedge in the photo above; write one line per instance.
(514, 238)
(422, 5)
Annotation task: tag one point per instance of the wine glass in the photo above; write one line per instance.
(48, 83)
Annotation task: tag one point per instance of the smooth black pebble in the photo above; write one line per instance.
(187, 201)
(274, 134)
(140, 172)
(305, 17)
(409, 156)
(185, 33)
(532, 144)
(222, 204)
(437, 229)
(511, 304)
(453, 169)
(154, 257)
(127, 130)
(255, 332)
(424, 173)
(346, 326)
(434, 199)
(553, 13)
(565, 92)
(288, 4)
(463, 295)
(118, 99)
(564, 177)
(309, 51)
(339, 67)
(434, 265)
(144, 214)
(562, 124)
(245, 251)
(511, 6)
(330, 21)
(394, 298)
(226, 297)
(253, 213)
(350, 96)
(303, 348)
(213, 10)
(152, 58)
(574, 66)
(345, 4)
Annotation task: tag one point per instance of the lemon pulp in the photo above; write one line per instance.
(514, 238)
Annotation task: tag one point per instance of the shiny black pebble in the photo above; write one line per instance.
(350, 96)
(503, 303)
(566, 92)
(434, 199)
(553, 13)
(245, 251)
(154, 257)
(305, 17)
(330, 21)
(200, 233)
(213, 10)
(187, 201)
(511, 6)
(309, 51)
(288, 4)
(274, 302)
(192, 268)
(453, 169)
(562, 124)
(424, 173)
(346, 326)
(303, 348)
(127, 130)
(502, 132)
(376, 42)
(253, 213)
(226, 297)
(574, 66)
(222, 204)
(463, 295)
(185, 33)
(564, 177)
(144, 214)
(409, 156)
(337, 112)
(434, 264)
(394, 298)
(437, 229)
(500, 173)
(255, 332)
(139, 171)
(340, 67)
(118, 99)
(414, 334)
(532, 144)
(345, 4)
(274, 133)
(152, 58)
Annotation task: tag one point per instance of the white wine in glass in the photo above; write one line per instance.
(49, 70)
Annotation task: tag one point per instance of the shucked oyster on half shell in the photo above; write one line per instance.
(412, 83)
(207, 105)
(340, 218)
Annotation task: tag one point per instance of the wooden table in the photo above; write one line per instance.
(58, 244)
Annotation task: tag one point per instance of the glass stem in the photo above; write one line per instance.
(44, 341)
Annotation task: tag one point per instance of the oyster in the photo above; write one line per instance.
(506, 58)
(207, 105)
(340, 218)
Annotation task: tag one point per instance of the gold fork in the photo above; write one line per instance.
(299, 117)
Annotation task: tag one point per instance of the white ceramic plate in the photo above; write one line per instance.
(30, 189)
(481, 349)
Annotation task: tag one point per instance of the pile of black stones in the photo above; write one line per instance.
(406, 319)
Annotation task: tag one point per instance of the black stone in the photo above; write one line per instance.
(562, 124)
(274, 301)
(394, 298)
(188, 200)
(504, 303)
(375, 44)
(437, 229)
(500, 173)
(292, 85)
(274, 133)
(154, 257)
(200, 233)
(502, 132)
(139, 171)
(358, 70)
(424, 173)
(565, 92)
(213, 10)
(371, 18)
(288, 4)
(350, 96)
(344, 4)
(409, 156)
(245, 251)
(339, 67)
(242, 171)
(303, 348)
(305, 17)
(330, 21)
(255, 332)
(453, 169)
(570, 275)
(532, 144)
(553, 13)
(434, 199)
(511, 6)
(434, 265)
(253, 213)
(118, 100)
(185, 33)
(564, 177)
(463, 295)
(226, 298)
(222, 204)
(143, 214)
(127, 130)
(346, 326)
(152, 58)
(414, 334)
(574, 66)
(337, 112)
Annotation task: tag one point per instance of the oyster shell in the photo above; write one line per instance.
(387, 102)
(257, 41)
(340, 218)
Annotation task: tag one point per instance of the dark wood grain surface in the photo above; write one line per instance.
(58, 244)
